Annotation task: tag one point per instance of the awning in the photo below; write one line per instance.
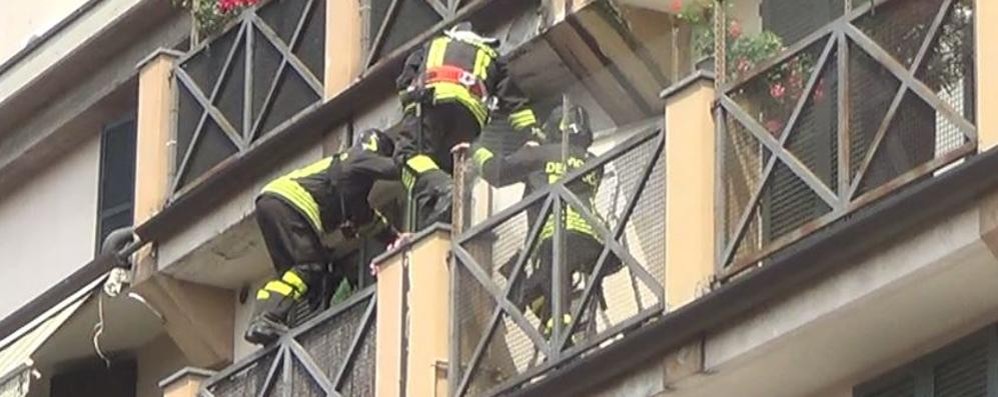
(17, 349)
(15, 384)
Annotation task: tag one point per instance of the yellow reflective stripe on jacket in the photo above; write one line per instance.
(291, 278)
(298, 197)
(522, 119)
(481, 156)
(421, 163)
(279, 287)
(415, 165)
(446, 91)
(482, 62)
(408, 179)
(573, 222)
(287, 188)
(435, 56)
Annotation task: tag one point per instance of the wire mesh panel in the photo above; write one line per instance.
(562, 271)
(330, 355)
(392, 23)
(246, 82)
(883, 99)
(246, 380)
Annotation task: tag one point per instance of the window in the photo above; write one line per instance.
(117, 178)
(963, 369)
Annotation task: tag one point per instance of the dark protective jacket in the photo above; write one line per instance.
(469, 73)
(539, 166)
(332, 192)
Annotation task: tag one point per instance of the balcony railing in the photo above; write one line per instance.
(500, 344)
(880, 98)
(236, 88)
(392, 23)
(332, 354)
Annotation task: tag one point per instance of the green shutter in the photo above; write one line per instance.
(964, 375)
(961, 369)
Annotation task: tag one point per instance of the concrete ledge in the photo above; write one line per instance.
(415, 239)
(186, 372)
(159, 51)
(694, 78)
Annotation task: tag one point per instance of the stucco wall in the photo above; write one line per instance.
(47, 226)
(157, 360)
(68, 39)
(22, 19)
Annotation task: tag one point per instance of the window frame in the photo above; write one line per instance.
(100, 213)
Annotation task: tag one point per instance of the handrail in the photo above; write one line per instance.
(505, 327)
(304, 354)
(793, 161)
(220, 82)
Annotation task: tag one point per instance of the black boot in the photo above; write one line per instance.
(264, 331)
(274, 303)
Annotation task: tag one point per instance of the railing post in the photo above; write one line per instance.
(690, 183)
(198, 318)
(153, 143)
(344, 48)
(414, 316)
(986, 59)
(184, 383)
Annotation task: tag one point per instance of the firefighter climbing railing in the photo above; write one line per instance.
(880, 98)
(332, 354)
(233, 90)
(521, 266)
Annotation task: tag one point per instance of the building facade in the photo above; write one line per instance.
(788, 198)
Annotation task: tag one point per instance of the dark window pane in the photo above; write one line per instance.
(117, 178)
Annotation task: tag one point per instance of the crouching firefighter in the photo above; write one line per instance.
(294, 211)
(538, 165)
(449, 89)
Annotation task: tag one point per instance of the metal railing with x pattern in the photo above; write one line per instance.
(392, 23)
(261, 73)
(330, 355)
(603, 284)
(880, 98)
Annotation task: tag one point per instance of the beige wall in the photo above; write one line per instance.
(68, 40)
(157, 360)
(47, 226)
(22, 19)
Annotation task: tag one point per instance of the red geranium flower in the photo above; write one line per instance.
(735, 30)
(777, 90)
(819, 91)
(226, 6)
(676, 6)
(774, 126)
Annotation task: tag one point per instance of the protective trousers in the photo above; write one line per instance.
(581, 253)
(298, 257)
(424, 151)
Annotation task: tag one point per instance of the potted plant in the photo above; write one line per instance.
(783, 84)
(210, 16)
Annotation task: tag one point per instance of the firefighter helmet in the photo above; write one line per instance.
(374, 140)
(463, 31)
(575, 122)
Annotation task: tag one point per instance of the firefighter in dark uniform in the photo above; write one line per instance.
(538, 165)
(456, 80)
(294, 211)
